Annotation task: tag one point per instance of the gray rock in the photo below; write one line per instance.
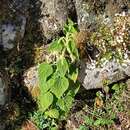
(54, 17)
(84, 15)
(2, 94)
(90, 13)
(71, 10)
(12, 22)
(93, 78)
(2, 126)
(12, 32)
(3, 89)
(19, 6)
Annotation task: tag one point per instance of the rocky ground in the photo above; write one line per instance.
(26, 29)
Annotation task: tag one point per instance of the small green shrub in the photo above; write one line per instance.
(43, 122)
(58, 76)
(105, 114)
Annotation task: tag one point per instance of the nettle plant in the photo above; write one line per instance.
(58, 76)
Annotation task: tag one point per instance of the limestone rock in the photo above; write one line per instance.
(12, 22)
(93, 78)
(4, 89)
(85, 17)
(90, 12)
(31, 81)
(11, 32)
(71, 10)
(54, 14)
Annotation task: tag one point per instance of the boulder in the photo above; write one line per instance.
(11, 33)
(85, 17)
(31, 81)
(2, 93)
(90, 12)
(54, 16)
(4, 89)
(12, 22)
(93, 77)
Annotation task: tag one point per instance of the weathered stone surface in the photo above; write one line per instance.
(92, 78)
(54, 14)
(3, 89)
(85, 17)
(2, 126)
(19, 6)
(11, 32)
(90, 12)
(12, 22)
(71, 10)
(2, 93)
(31, 81)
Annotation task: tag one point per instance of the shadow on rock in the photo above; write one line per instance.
(16, 61)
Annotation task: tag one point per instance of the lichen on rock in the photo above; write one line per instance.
(55, 15)
(12, 23)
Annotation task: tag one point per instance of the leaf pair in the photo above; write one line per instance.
(56, 85)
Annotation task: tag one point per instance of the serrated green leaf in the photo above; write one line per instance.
(73, 75)
(44, 71)
(116, 87)
(61, 84)
(89, 120)
(72, 50)
(61, 104)
(53, 113)
(82, 127)
(68, 102)
(65, 103)
(62, 66)
(45, 101)
(69, 28)
(47, 85)
(74, 88)
(98, 122)
(55, 46)
(54, 128)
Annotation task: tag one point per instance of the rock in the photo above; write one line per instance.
(2, 93)
(93, 78)
(11, 32)
(56, 13)
(19, 6)
(85, 15)
(72, 14)
(89, 13)
(90, 77)
(2, 126)
(31, 81)
(12, 23)
(128, 83)
(4, 89)
(54, 17)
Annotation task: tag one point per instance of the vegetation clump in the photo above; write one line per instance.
(113, 39)
(58, 77)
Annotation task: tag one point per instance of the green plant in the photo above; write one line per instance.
(82, 127)
(104, 115)
(43, 122)
(58, 76)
